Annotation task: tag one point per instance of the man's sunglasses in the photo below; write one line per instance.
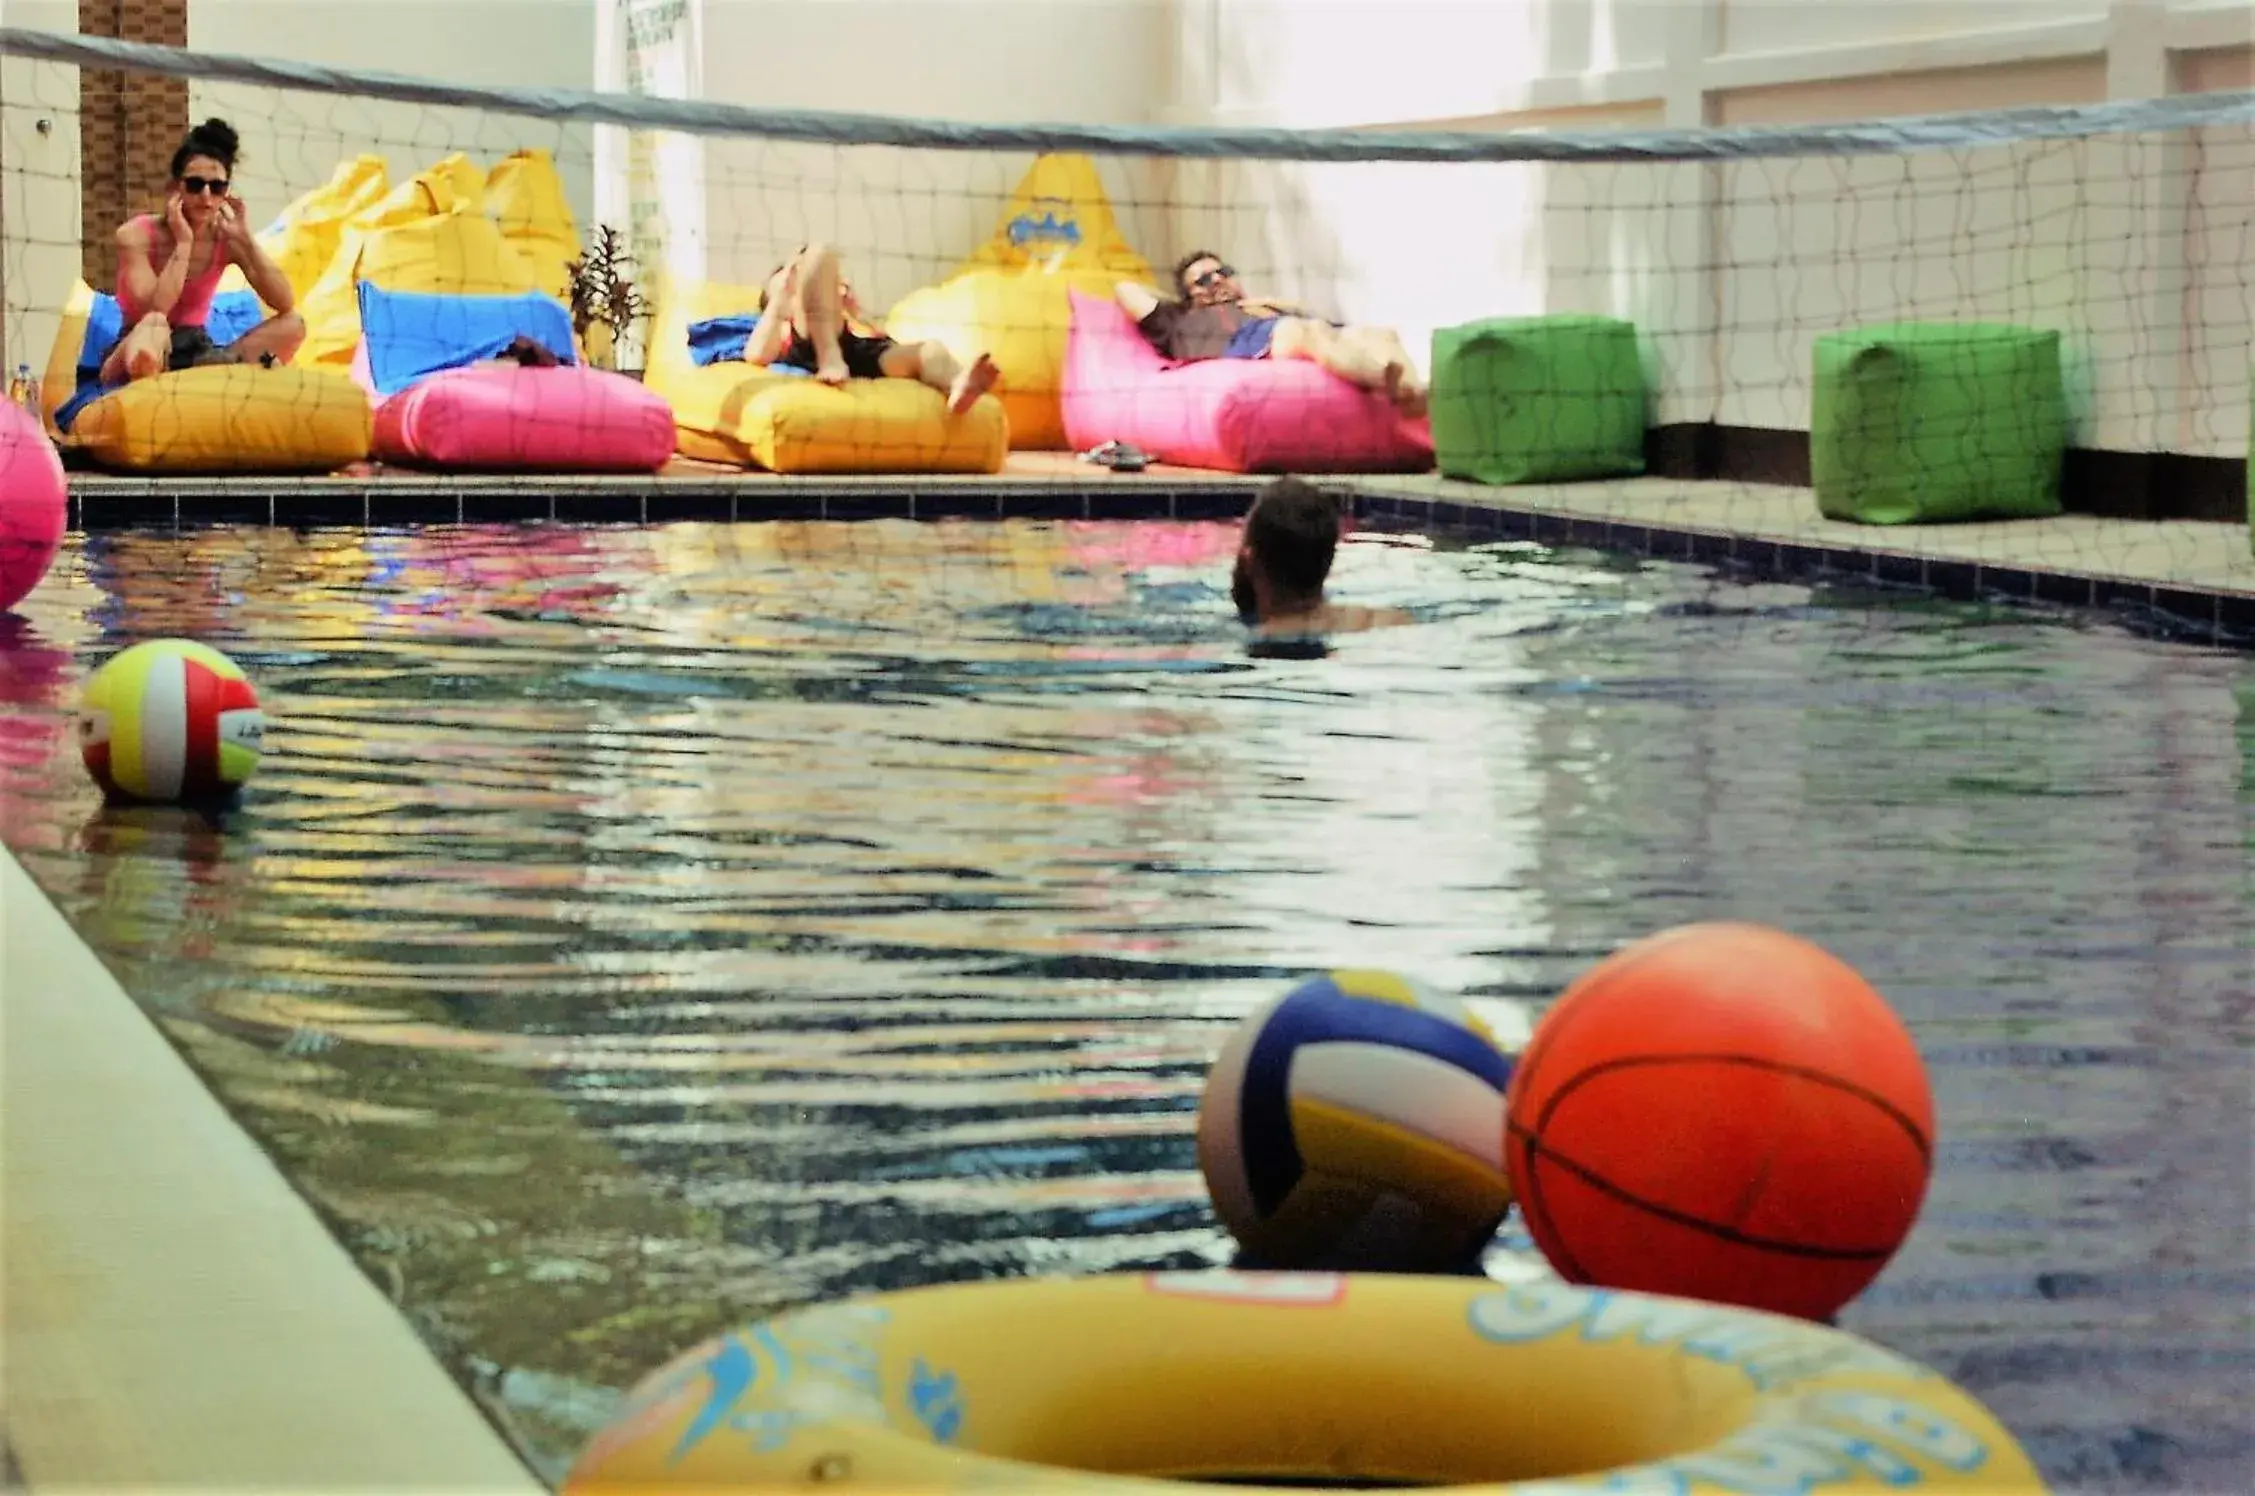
(194, 185)
(1219, 272)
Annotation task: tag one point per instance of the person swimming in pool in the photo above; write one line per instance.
(1212, 317)
(1291, 534)
(810, 320)
(168, 271)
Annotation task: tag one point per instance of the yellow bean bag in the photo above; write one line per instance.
(221, 419)
(1012, 298)
(430, 233)
(524, 194)
(728, 412)
(304, 237)
(229, 418)
(60, 382)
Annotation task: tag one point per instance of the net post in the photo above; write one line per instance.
(2148, 322)
(612, 188)
(680, 162)
(650, 185)
(1692, 392)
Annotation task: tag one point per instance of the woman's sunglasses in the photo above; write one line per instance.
(1219, 272)
(194, 185)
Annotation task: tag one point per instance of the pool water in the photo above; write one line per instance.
(633, 931)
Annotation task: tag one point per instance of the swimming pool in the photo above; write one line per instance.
(635, 930)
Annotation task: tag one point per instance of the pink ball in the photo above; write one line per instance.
(34, 503)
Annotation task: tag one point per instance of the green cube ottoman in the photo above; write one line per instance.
(1538, 400)
(1920, 422)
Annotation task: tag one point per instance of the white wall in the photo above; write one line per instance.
(39, 252)
(1315, 63)
(904, 219)
(291, 141)
(2136, 250)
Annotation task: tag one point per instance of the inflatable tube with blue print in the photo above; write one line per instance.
(1120, 1382)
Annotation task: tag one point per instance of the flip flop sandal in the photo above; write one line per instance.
(1120, 457)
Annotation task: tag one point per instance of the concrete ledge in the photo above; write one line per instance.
(175, 1316)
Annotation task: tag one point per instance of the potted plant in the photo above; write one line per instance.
(605, 300)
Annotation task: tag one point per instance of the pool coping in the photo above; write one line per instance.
(176, 1314)
(1932, 559)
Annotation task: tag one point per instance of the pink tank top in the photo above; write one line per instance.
(193, 308)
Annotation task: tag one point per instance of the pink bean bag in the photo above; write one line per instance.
(1237, 415)
(569, 419)
(34, 504)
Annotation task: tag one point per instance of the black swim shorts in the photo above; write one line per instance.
(864, 356)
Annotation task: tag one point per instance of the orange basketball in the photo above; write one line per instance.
(1722, 1112)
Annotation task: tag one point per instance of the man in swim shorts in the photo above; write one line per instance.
(810, 320)
(1291, 534)
(1212, 317)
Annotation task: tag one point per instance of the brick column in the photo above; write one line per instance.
(129, 125)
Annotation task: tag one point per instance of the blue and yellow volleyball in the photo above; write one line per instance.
(1356, 1123)
(170, 721)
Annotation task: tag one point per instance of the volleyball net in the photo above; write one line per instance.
(1986, 316)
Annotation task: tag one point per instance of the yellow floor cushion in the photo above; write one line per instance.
(229, 418)
(870, 426)
(1012, 299)
(1021, 318)
(789, 424)
(728, 412)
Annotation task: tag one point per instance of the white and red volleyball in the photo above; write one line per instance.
(170, 721)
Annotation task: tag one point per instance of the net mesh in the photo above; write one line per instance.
(1684, 329)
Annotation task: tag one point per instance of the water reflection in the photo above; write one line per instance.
(36, 675)
(634, 930)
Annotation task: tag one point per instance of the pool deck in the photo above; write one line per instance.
(2194, 578)
(174, 1314)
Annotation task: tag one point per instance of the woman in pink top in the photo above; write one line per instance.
(168, 270)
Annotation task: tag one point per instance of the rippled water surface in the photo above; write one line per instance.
(634, 931)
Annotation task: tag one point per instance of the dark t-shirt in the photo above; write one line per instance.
(1185, 332)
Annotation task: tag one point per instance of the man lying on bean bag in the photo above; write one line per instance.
(1213, 318)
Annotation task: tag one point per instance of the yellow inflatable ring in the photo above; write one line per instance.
(1115, 1382)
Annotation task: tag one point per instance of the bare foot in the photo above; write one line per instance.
(971, 384)
(832, 373)
(1406, 393)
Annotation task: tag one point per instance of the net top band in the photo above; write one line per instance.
(1917, 133)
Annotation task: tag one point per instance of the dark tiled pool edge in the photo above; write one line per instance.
(2189, 613)
(308, 503)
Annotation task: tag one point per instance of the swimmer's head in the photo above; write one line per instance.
(1291, 535)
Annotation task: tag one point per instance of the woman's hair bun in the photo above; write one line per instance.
(218, 137)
